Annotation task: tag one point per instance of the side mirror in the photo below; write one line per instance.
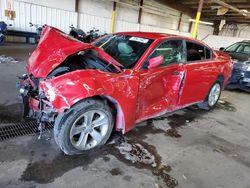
(155, 61)
(221, 49)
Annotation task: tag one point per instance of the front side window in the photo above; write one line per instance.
(125, 49)
(171, 50)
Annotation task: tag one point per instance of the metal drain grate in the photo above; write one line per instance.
(20, 129)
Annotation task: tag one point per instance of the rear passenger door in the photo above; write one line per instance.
(200, 73)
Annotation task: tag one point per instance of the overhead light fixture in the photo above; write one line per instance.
(222, 3)
(245, 12)
(202, 22)
(222, 11)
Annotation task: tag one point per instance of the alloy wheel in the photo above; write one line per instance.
(214, 94)
(89, 129)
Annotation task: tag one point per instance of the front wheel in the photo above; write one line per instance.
(212, 97)
(84, 127)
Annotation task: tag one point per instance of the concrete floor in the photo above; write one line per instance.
(191, 148)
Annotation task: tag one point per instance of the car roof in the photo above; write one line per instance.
(247, 41)
(154, 36)
(149, 35)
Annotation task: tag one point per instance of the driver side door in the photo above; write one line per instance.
(160, 86)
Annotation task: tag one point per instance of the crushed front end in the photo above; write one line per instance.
(49, 87)
(36, 105)
(53, 48)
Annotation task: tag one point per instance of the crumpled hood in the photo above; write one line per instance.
(53, 48)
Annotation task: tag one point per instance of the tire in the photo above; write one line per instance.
(212, 97)
(57, 127)
(84, 127)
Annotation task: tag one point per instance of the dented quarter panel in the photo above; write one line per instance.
(199, 78)
(201, 75)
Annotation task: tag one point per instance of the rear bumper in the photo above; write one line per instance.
(238, 86)
(239, 79)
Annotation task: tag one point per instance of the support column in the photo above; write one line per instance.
(113, 18)
(140, 12)
(216, 27)
(76, 5)
(197, 20)
(77, 11)
(139, 15)
(190, 27)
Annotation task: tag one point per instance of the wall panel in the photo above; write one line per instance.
(37, 14)
(97, 13)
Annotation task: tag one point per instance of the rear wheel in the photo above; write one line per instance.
(212, 97)
(84, 127)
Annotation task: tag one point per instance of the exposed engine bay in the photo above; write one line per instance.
(82, 60)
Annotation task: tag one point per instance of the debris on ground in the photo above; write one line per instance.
(166, 127)
(141, 155)
(162, 125)
(184, 177)
(225, 105)
(163, 173)
(7, 59)
(136, 153)
(221, 101)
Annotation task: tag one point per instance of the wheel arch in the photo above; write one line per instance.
(221, 79)
(114, 104)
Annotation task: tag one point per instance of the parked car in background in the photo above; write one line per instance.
(240, 53)
(87, 90)
(3, 31)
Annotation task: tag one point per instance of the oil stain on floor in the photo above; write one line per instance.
(225, 105)
(130, 149)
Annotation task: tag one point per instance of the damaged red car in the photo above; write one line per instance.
(88, 90)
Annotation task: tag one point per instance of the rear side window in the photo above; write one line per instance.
(195, 52)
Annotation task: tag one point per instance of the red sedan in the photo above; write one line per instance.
(87, 90)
